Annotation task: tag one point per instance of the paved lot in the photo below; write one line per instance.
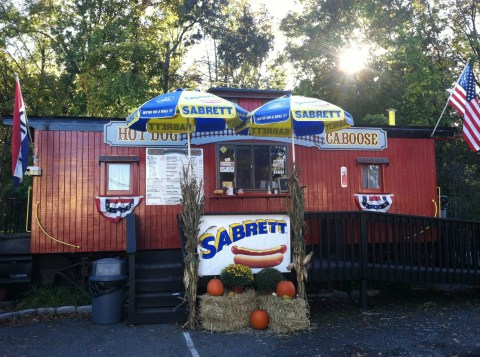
(444, 325)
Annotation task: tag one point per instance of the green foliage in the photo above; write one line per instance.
(96, 57)
(241, 33)
(266, 280)
(411, 64)
(457, 175)
(5, 156)
(38, 296)
(236, 275)
(373, 119)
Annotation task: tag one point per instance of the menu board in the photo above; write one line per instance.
(164, 170)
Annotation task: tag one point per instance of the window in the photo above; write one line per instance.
(254, 167)
(371, 177)
(372, 173)
(118, 175)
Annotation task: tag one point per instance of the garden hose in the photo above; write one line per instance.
(48, 235)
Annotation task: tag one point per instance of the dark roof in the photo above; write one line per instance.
(96, 124)
(65, 123)
(228, 92)
(416, 132)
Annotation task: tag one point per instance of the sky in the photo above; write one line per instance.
(278, 9)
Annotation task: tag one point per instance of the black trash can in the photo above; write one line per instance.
(106, 286)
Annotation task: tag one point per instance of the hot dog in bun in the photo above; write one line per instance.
(259, 261)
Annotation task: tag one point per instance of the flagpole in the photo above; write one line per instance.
(448, 100)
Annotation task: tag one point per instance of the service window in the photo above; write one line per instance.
(251, 167)
(118, 175)
(372, 173)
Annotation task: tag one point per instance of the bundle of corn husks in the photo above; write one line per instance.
(226, 313)
(286, 315)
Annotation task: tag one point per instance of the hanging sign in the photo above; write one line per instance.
(164, 170)
(116, 133)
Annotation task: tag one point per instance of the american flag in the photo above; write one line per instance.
(465, 101)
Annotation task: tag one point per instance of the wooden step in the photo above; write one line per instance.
(158, 284)
(157, 293)
(15, 269)
(148, 272)
(159, 256)
(15, 243)
(158, 315)
(159, 299)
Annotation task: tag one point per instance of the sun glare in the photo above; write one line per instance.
(353, 59)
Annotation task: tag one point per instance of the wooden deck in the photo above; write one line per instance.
(365, 246)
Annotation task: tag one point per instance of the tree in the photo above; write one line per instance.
(26, 51)
(407, 73)
(97, 57)
(242, 42)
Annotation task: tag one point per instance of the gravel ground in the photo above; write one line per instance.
(398, 323)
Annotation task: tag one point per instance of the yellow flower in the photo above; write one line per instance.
(236, 274)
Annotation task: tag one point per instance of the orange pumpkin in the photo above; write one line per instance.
(215, 287)
(259, 319)
(286, 288)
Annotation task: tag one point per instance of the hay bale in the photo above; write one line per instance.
(286, 315)
(226, 313)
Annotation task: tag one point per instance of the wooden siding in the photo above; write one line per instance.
(71, 179)
(410, 177)
(250, 103)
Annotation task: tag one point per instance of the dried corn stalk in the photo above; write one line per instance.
(296, 210)
(193, 203)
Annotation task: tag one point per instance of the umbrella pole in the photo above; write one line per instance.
(293, 150)
(188, 147)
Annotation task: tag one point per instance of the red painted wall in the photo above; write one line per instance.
(71, 179)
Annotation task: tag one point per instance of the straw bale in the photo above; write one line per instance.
(226, 313)
(286, 315)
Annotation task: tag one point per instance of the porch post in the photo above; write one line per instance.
(363, 261)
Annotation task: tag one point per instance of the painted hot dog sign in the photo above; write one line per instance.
(257, 241)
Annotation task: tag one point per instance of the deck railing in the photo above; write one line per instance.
(390, 247)
(13, 215)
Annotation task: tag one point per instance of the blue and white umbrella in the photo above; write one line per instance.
(186, 111)
(290, 116)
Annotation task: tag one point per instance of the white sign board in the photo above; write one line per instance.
(164, 169)
(258, 241)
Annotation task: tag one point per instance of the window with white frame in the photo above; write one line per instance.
(118, 175)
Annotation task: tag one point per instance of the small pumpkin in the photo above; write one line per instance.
(286, 288)
(215, 287)
(259, 319)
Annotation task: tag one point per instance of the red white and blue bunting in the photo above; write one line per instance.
(116, 208)
(375, 203)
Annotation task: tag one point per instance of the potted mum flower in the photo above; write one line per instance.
(236, 277)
